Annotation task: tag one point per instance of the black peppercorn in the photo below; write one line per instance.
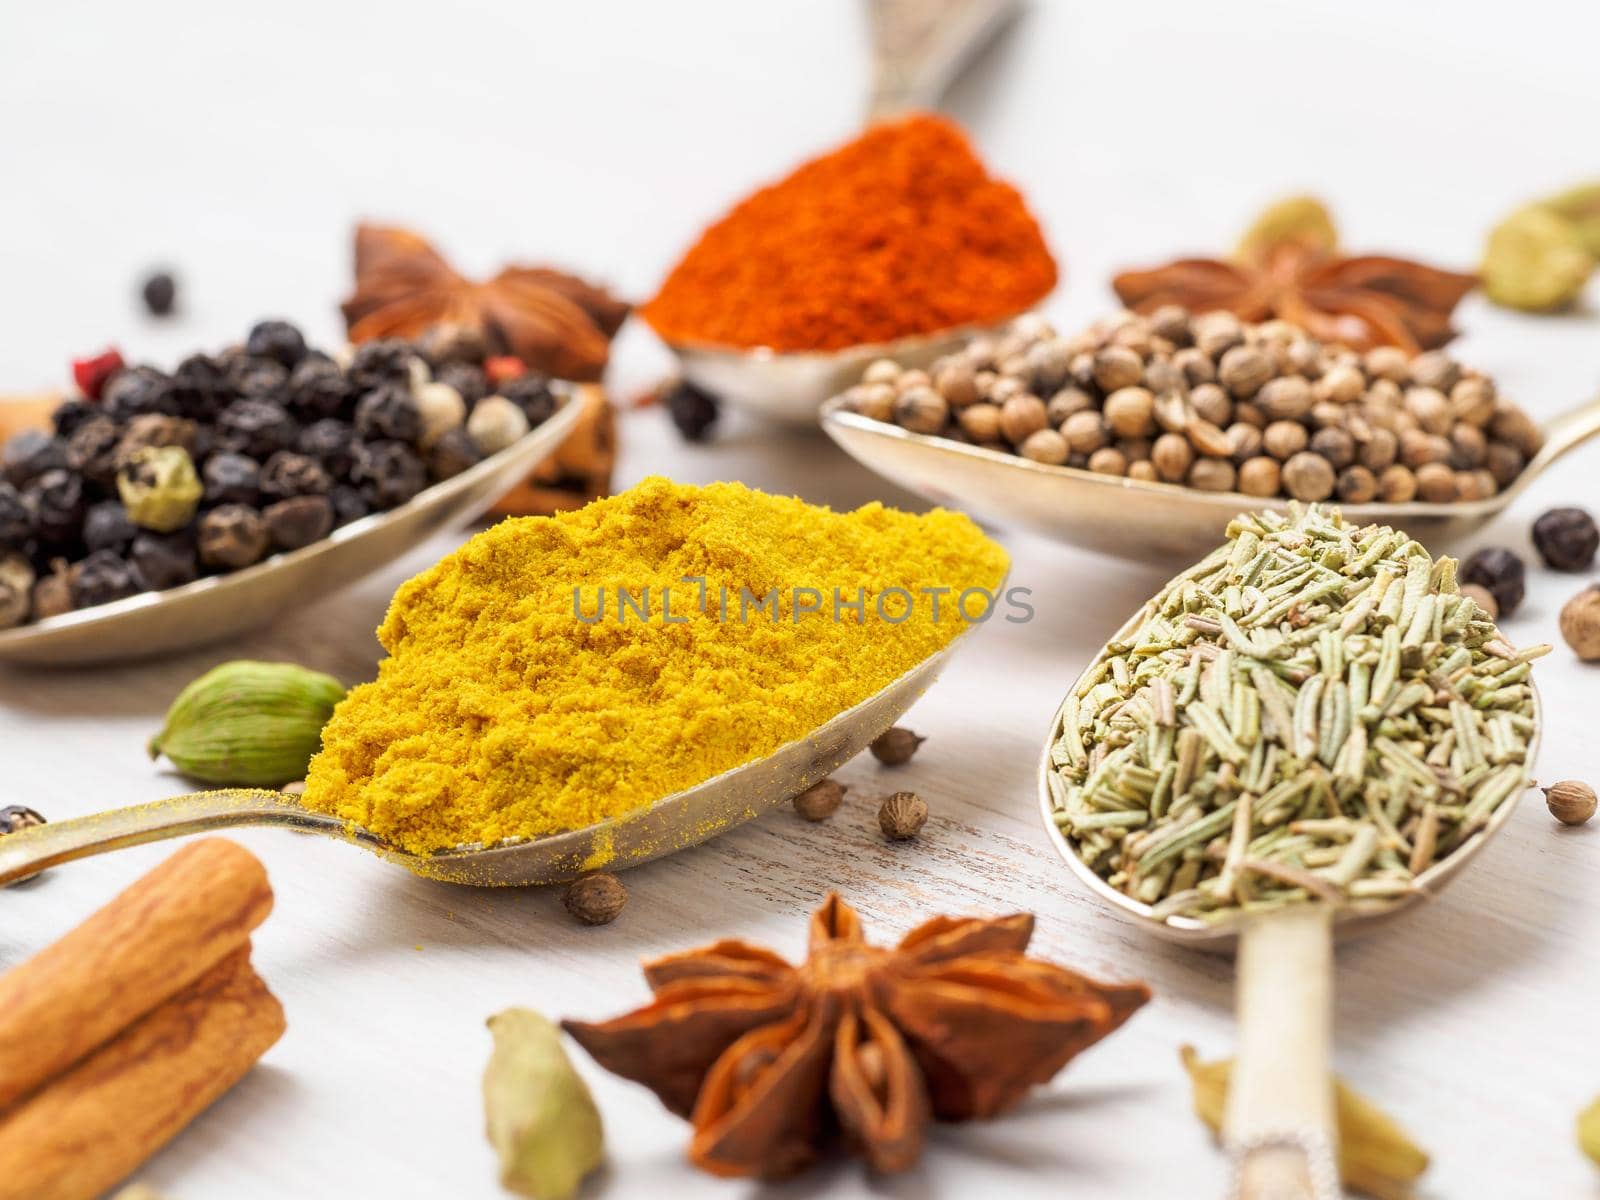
(103, 577)
(15, 816)
(164, 560)
(258, 428)
(92, 450)
(16, 523)
(259, 379)
(531, 393)
(108, 527)
(298, 521)
(387, 360)
(388, 413)
(348, 504)
(1566, 539)
(29, 454)
(55, 502)
(202, 388)
(330, 442)
(135, 390)
(231, 479)
(319, 389)
(277, 340)
(71, 413)
(288, 474)
(452, 454)
(692, 411)
(160, 293)
(231, 536)
(389, 473)
(467, 379)
(1500, 572)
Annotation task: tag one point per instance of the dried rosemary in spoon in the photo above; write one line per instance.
(1314, 711)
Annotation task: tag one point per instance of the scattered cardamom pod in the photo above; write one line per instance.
(1536, 260)
(1589, 1130)
(1301, 220)
(540, 1117)
(1581, 206)
(248, 724)
(1376, 1158)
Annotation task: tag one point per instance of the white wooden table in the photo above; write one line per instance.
(607, 133)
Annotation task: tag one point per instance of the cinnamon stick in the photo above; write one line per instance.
(153, 940)
(577, 471)
(91, 1126)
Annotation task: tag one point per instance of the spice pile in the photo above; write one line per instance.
(1217, 404)
(773, 1063)
(901, 231)
(535, 683)
(1314, 711)
(150, 479)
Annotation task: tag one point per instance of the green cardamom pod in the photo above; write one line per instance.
(1589, 1131)
(1581, 206)
(1536, 260)
(248, 724)
(540, 1117)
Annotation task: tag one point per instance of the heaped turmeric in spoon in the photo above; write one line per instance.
(558, 672)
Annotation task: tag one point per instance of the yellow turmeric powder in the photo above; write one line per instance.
(556, 672)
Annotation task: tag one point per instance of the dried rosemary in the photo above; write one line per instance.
(1314, 711)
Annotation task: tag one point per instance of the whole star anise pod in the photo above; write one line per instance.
(1289, 266)
(771, 1062)
(555, 323)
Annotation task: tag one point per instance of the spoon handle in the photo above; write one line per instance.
(920, 46)
(1565, 432)
(32, 850)
(1279, 1124)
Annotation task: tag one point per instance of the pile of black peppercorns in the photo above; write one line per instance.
(152, 479)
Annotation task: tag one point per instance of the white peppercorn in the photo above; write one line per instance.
(495, 423)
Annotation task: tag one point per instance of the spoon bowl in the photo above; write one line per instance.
(672, 823)
(1279, 1128)
(1130, 518)
(218, 607)
(791, 387)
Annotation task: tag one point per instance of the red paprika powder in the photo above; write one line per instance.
(901, 231)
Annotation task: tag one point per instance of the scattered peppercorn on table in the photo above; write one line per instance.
(1458, 1019)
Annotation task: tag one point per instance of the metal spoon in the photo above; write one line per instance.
(673, 823)
(1129, 518)
(1279, 1125)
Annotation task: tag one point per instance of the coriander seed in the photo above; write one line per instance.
(1396, 484)
(820, 800)
(902, 816)
(1436, 483)
(595, 899)
(1085, 432)
(895, 747)
(921, 410)
(1308, 476)
(1212, 475)
(1130, 412)
(1172, 455)
(1045, 446)
(1571, 802)
(1284, 439)
(1117, 367)
(1020, 416)
(1260, 476)
(980, 422)
(1243, 370)
(1108, 460)
(1580, 623)
(1356, 485)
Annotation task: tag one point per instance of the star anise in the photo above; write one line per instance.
(1290, 267)
(555, 323)
(772, 1062)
